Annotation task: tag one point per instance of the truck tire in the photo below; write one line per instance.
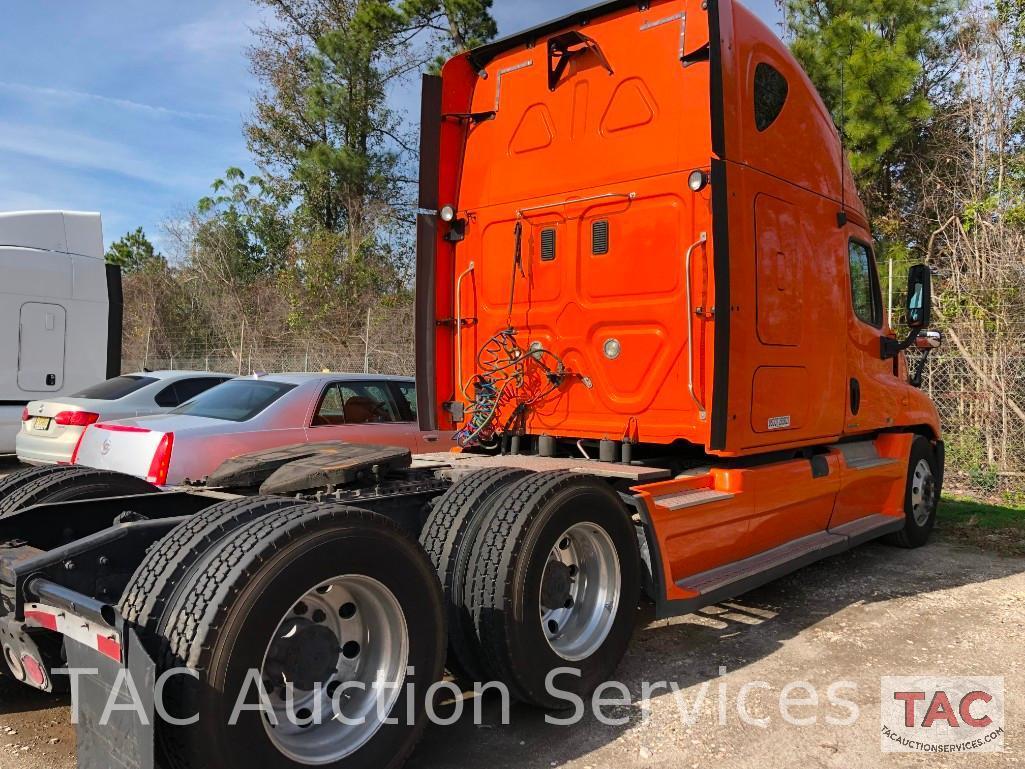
(921, 496)
(448, 537)
(554, 583)
(16, 480)
(165, 566)
(73, 484)
(310, 594)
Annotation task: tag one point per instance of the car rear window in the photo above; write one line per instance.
(236, 401)
(116, 388)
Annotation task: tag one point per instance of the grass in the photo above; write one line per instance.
(991, 527)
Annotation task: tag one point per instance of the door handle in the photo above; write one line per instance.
(690, 329)
(431, 438)
(855, 397)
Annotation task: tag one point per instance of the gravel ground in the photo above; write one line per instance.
(877, 611)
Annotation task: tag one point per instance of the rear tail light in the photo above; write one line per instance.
(24, 414)
(76, 418)
(122, 428)
(74, 454)
(161, 460)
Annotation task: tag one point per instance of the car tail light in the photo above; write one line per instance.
(122, 428)
(161, 460)
(76, 418)
(25, 415)
(74, 454)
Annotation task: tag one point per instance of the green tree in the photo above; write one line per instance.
(322, 128)
(248, 218)
(462, 24)
(133, 252)
(881, 67)
(330, 144)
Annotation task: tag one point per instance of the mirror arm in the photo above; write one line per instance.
(891, 348)
(919, 373)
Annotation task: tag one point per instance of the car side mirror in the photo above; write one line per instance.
(919, 305)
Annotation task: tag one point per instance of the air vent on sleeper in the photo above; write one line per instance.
(600, 237)
(548, 245)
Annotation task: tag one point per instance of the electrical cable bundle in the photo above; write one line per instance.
(507, 373)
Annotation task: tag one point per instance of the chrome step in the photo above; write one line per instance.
(680, 500)
(863, 456)
(812, 548)
(736, 578)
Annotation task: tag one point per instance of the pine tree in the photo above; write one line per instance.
(876, 64)
(133, 252)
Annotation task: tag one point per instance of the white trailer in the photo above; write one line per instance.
(60, 310)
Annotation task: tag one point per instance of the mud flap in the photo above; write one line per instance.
(115, 709)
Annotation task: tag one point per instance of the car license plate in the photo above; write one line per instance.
(41, 423)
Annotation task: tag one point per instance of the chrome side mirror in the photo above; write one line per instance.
(919, 304)
(929, 340)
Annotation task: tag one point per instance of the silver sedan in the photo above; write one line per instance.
(255, 413)
(51, 429)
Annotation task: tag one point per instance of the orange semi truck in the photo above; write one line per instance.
(647, 305)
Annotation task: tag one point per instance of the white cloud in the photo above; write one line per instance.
(79, 150)
(224, 32)
(64, 94)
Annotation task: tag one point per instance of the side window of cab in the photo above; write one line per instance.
(865, 291)
(771, 91)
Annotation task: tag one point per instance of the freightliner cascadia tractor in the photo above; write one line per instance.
(647, 304)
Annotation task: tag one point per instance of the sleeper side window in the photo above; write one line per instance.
(864, 285)
(771, 91)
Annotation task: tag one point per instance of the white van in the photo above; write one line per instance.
(60, 311)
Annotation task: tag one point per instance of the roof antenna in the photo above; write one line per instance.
(841, 218)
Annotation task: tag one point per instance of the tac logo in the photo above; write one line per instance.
(933, 714)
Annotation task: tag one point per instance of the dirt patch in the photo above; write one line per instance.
(992, 527)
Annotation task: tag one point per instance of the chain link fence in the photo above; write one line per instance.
(983, 421)
(382, 343)
(981, 408)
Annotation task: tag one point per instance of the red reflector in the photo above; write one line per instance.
(74, 454)
(108, 647)
(161, 460)
(34, 671)
(76, 418)
(122, 428)
(49, 621)
(25, 415)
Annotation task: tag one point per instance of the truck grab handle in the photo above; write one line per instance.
(702, 413)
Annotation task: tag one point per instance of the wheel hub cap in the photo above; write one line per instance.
(580, 591)
(334, 669)
(555, 590)
(923, 492)
(306, 654)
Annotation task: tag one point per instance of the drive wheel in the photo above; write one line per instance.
(921, 496)
(554, 583)
(335, 614)
(14, 481)
(164, 568)
(448, 537)
(70, 484)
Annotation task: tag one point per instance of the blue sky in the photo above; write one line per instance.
(132, 108)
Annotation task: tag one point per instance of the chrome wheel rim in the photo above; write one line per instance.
(580, 591)
(923, 492)
(334, 669)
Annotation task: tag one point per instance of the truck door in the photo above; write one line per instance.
(41, 347)
(870, 378)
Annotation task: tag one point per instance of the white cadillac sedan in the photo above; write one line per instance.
(255, 413)
(51, 429)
